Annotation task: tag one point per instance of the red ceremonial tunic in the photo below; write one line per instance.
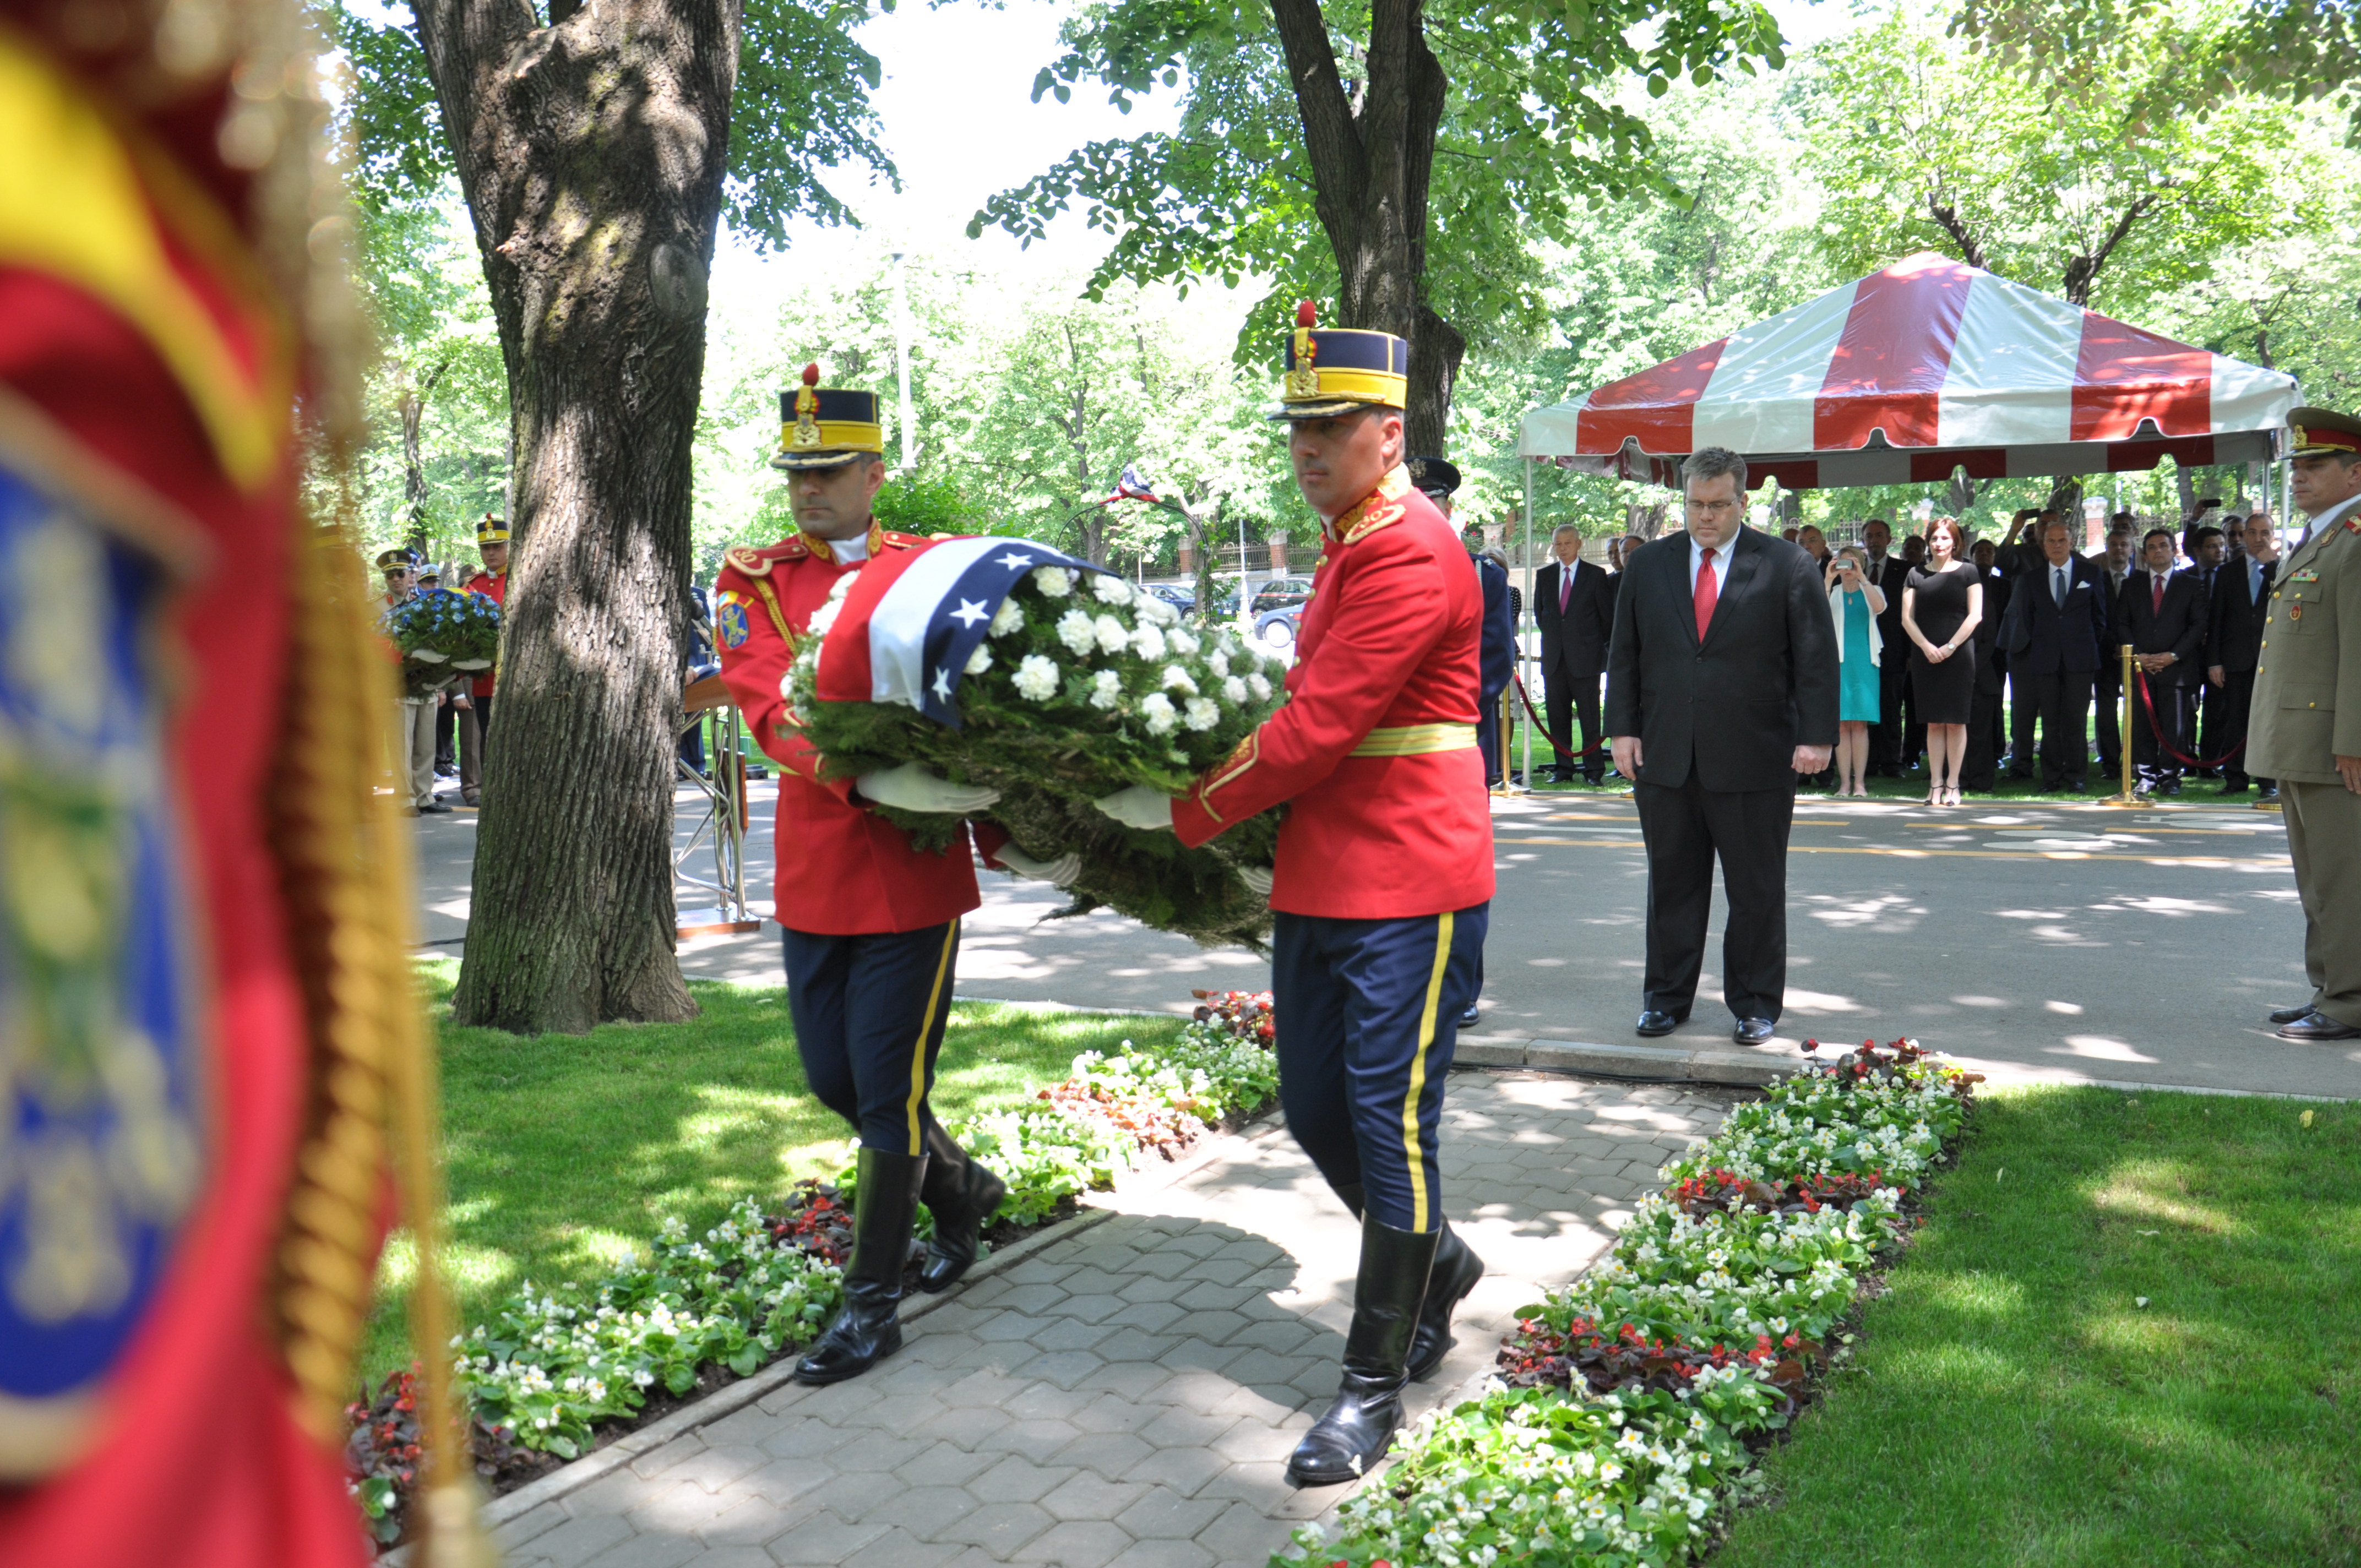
(843, 871)
(1389, 643)
(198, 1461)
(495, 588)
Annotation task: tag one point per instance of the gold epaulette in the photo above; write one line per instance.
(903, 541)
(754, 563)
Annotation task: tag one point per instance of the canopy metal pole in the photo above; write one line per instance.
(1527, 564)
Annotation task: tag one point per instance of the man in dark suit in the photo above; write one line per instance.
(1722, 686)
(1574, 603)
(2114, 561)
(2207, 546)
(2055, 639)
(2161, 613)
(1980, 773)
(1890, 575)
(2234, 641)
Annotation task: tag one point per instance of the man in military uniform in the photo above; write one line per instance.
(475, 733)
(871, 921)
(2304, 729)
(412, 755)
(1384, 877)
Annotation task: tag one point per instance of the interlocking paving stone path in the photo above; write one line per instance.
(1126, 1398)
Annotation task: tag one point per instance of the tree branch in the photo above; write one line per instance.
(1331, 140)
(1947, 218)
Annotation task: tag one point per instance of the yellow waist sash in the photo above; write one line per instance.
(1416, 741)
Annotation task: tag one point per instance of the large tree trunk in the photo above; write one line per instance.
(412, 408)
(1371, 166)
(591, 153)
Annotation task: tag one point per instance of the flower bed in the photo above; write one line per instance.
(1629, 1407)
(553, 1374)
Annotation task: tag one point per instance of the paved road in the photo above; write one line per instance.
(2066, 943)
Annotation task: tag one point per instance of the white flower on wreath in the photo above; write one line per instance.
(1234, 692)
(1176, 679)
(824, 617)
(1106, 689)
(842, 587)
(1147, 643)
(1155, 608)
(1077, 630)
(1219, 663)
(1203, 712)
(1182, 640)
(1007, 618)
(1053, 582)
(979, 660)
(1037, 677)
(1109, 588)
(1161, 715)
(1259, 686)
(1113, 635)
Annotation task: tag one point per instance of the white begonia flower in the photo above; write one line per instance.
(1106, 689)
(1182, 639)
(1234, 692)
(979, 660)
(1161, 715)
(1037, 677)
(1112, 634)
(1203, 712)
(1110, 589)
(1077, 630)
(1149, 642)
(1220, 662)
(1008, 617)
(1177, 679)
(1054, 582)
(1259, 686)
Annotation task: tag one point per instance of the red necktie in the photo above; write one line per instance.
(1565, 586)
(1705, 592)
(2156, 596)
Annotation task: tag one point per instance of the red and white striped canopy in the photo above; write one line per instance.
(1909, 373)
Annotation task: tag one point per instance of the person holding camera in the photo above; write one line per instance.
(1855, 602)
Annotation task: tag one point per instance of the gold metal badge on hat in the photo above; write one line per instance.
(2298, 432)
(807, 431)
(1303, 381)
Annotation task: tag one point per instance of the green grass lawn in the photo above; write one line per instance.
(2014, 1403)
(566, 1151)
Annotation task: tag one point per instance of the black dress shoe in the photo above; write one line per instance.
(1653, 1024)
(2268, 795)
(2290, 1014)
(1473, 1017)
(433, 808)
(2318, 1026)
(2238, 788)
(1755, 1031)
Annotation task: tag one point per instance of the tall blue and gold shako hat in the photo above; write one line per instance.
(1335, 370)
(821, 427)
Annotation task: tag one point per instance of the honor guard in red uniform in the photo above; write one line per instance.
(1383, 884)
(203, 901)
(871, 921)
(492, 582)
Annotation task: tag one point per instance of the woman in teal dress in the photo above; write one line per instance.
(1856, 604)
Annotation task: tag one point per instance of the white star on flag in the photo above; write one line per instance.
(970, 612)
(943, 683)
(1016, 561)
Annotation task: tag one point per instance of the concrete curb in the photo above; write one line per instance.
(1658, 1064)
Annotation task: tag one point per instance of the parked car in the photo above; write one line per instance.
(1279, 608)
(1180, 598)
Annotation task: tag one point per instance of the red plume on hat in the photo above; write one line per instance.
(1307, 315)
(808, 399)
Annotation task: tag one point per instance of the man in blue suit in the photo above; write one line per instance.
(2055, 636)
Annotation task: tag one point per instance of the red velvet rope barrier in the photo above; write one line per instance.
(2140, 676)
(1543, 729)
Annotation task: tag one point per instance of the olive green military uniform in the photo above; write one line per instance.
(2306, 714)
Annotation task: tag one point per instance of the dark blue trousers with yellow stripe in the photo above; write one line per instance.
(869, 1014)
(1368, 1014)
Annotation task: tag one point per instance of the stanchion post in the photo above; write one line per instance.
(2124, 730)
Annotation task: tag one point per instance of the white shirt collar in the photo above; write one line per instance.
(2334, 514)
(1720, 563)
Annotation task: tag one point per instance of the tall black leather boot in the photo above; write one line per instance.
(1352, 1436)
(865, 1331)
(1457, 1271)
(963, 1196)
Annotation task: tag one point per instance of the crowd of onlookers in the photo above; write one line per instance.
(1985, 658)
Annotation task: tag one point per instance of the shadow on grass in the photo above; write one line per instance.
(564, 1152)
(2015, 1402)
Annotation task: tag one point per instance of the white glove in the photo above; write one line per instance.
(912, 788)
(1139, 806)
(1258, 880)
(1059, 872)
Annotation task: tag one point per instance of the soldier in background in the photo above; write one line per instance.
(492, 582)
(2304, 729)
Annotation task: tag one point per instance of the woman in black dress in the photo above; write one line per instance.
(1941, 603)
